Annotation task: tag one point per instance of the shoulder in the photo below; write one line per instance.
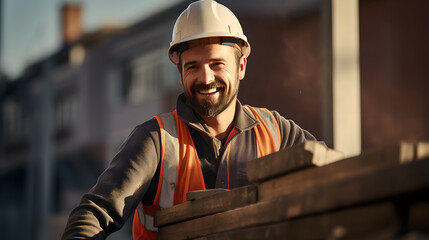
(148, 126)
(142, 136)
(264, 113)
(290, 132)
(268, 116)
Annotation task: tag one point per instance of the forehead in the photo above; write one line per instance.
(207, 52)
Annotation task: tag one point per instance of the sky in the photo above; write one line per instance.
(31, 28)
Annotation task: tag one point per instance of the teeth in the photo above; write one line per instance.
(208, 91)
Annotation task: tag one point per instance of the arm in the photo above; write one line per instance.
(119, 188)
(290, 132)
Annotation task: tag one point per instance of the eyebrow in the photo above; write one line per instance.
(211, 60)
(217, 60)
(189, 63)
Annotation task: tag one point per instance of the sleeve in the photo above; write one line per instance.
(290, 132)
(107, 206)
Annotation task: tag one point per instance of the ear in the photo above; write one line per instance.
(242, 68)
(180, 73)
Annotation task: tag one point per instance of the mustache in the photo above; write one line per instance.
(199, 87)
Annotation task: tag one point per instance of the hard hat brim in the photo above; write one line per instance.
(174, 55)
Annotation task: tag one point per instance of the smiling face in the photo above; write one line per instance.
(210, 77)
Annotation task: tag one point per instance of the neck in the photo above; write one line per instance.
(222, 124)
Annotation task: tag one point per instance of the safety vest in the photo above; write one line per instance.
(180, 168)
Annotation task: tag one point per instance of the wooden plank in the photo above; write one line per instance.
(419, 217)
(378, 185)
(347, 168)
(307, 154)
(195, 195)
(410, 236)
(347, 223)
(219, 201)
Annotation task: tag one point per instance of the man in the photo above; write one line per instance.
(205, 143)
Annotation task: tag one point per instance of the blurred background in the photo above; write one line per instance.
(77, 76)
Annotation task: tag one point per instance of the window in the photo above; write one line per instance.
(144, 77)
(13, 120)
(65, 111)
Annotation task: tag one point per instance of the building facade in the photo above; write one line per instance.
(65, 117)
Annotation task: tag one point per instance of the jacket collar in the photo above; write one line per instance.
(244, 119)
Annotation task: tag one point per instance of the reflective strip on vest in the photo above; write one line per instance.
(272, 125)
(145, 219)
(171, 161)
(169, 176)
(265, 117)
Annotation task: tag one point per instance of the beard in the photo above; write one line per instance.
(209, 107)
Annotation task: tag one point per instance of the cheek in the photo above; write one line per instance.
(230, 76)
(186, 84)
(186, 79)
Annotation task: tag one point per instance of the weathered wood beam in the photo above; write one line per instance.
(312, 177)
(307, 154)
(219, 201)
(374, 186)
(347, 223)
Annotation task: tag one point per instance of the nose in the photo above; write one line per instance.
(207, 75)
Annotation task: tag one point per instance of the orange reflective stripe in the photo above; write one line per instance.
(190, 176)
(137, 230)
(228, 149)
(140, 233)
(264, 140)
(277, 128)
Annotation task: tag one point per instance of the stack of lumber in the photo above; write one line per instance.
(312, 192)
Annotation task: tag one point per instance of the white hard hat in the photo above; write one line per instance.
(206, 19)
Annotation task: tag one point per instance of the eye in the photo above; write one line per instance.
(217, 64)
(190, 67)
